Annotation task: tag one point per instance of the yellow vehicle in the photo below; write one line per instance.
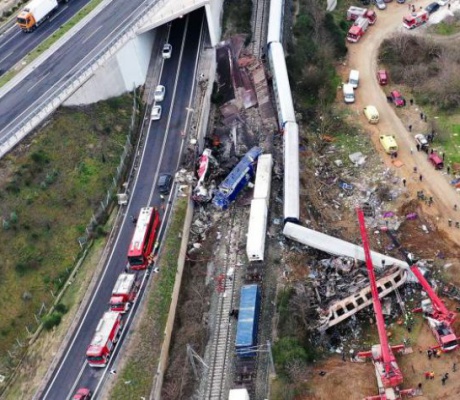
(371, 114)
(389, 144)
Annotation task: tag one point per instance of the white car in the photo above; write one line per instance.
(156, 113)
(380, 4)
(442, 3)
(159, 93)
(167, 50)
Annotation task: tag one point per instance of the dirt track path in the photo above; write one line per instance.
(363, 57)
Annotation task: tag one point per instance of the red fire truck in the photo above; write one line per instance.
(353, 13)
(124, 292)
(411, 21)
(143, 239)
(358, 29)
(106, 336)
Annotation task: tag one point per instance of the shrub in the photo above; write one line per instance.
(61, 308)
(51, 320)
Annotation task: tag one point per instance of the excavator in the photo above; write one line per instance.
(439, 318)
(389, 376)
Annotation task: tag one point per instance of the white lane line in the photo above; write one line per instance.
(90, 35)
(36, 83)
(4, 58)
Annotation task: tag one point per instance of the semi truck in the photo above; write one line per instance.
(124, 292)
(106, 336)
(353, 13)
(358, 29)
(36, 12)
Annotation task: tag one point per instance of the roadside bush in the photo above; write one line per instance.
(61, 308)
(288, 351)
(52, 320)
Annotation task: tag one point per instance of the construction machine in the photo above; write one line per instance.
(439, 318)
(389, 376)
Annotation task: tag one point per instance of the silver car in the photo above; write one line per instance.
(156, 113)
(159, 93)
(380, 4)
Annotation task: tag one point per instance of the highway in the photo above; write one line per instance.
(51, 75)
(161, 153)
(16, 44)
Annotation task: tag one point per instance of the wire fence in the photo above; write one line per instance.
(10, 364)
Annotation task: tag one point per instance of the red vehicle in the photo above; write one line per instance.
(389, 376)
(353, 13)
(82, 394)
(106, 336)
(358, 29)
(412, 21)
(438, 316)
(124, 293)
(140, 249)
(436, 160)
(397, 99)
(382, 77)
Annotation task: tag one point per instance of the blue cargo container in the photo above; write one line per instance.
(248, 321)
(237, 179)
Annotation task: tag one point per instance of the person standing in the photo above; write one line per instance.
(404, 182)
(420, 177)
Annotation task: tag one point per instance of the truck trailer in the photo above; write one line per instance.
(36, 12)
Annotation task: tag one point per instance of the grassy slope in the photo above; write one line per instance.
(53, 182)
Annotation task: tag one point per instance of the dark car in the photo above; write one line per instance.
(365, 2)
(432, 7)
(164, 183)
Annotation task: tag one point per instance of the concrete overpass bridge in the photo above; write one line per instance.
(103, 56)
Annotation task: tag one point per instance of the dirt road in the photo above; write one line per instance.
(363, 57)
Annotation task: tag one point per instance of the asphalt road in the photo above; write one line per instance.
(51, 75)
(161, 153)
(16, 44)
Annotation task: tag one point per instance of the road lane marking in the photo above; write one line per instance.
(91, 34)
(36, 83)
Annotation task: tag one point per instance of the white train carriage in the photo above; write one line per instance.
(291, 173)
(257, 230)
(281, 87)
(263, 178)
(275, 22)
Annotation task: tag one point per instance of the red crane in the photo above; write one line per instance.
(388, 374)
(439, 318)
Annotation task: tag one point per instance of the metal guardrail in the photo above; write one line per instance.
(50, 101)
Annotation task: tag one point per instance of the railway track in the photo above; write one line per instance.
(260, 10)
(219, 364)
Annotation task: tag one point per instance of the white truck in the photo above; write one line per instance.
(238, 394)
(353, 13)
(36, 12)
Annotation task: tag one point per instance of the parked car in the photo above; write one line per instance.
(82, 394)
(387, 1)
(380, 4)
(397, 99)
(156, 113)
(167, 50)
(159, 93)
(365, 2)
(382, 77)
(422, 141)
(442, 3)
(436, 160)
(164, 183)
(371, 114)
(401, 1)
(432, 7)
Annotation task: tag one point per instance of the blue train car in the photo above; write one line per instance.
(237, 179)
(248, 321)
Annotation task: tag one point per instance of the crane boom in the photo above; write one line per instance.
(442, 312)
(375, 295)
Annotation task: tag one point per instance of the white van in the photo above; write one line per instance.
(371, 114)
(353, 78)
(348, 93)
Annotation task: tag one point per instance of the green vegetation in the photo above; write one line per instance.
(237, 17)
(149, 337)
(448, 26)
(318, 41)
(47, 200)
(45, 45)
